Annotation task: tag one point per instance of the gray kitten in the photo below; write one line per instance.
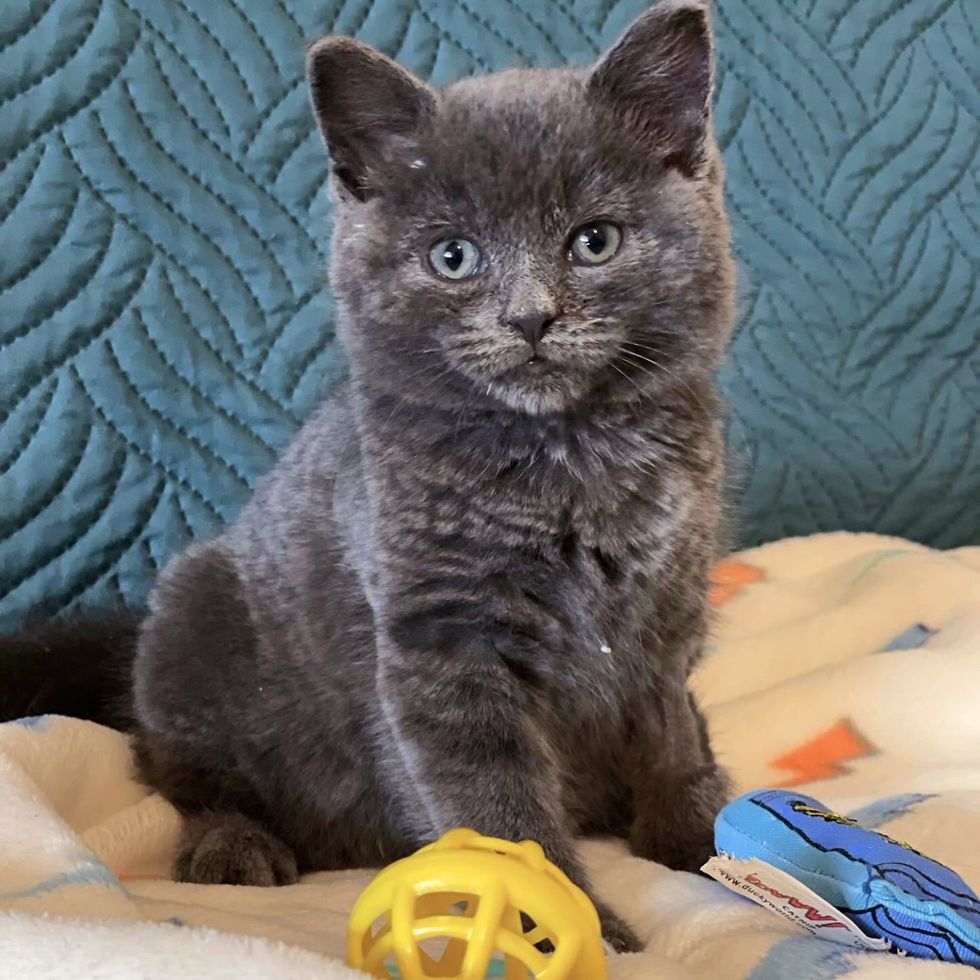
(473, 590)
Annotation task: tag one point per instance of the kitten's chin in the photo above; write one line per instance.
(539, 396)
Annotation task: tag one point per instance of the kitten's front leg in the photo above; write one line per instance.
(678, 787)
(463, 723)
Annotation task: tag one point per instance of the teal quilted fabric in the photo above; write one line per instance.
(164, 325)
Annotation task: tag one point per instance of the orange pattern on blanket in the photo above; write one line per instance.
(729, 577)
(823, 757)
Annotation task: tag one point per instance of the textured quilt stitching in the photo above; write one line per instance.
(277, 166)
(307, 202)
(510, 44)
(858, 338)
(577, 25)
(774, 113)
(807, 68)
(8, 528)
(300, 229)
(876, 23)
(304, 367)
(141, 452)
(966, 256)
(28, 83)
(362, 19)
(862, 134)
(848, 236)
(754, 225)
(899, 190)
(881, 304)
(60, 118)
(79, 344)
(251, 132)
(919, 314)
(228, 57)
(399, 41)
(790, 89)
(27, 436)
(60, 603)
(790, 422)
(265, 349)
(228, 262)
(248, 381)
(158, 35)
(185, 521)
(237, 423)
(161, 248)
(770, 143)
(796, 226)
(449, 39)
(287, 13)
(954, 50)
(965, 106)
(829, 382)
(113, 475)
(168, 423)
(27, 26)
(257, 34)
(20, 191)
(254, 233)
(151, 558)
(931, 203)
(606, 9)
(76, 290)
(58, 236)
(726, 134)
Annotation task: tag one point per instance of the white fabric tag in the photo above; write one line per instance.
(782, 893)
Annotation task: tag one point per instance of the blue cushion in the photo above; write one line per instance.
(164, 326)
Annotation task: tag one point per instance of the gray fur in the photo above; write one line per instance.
(472, 591)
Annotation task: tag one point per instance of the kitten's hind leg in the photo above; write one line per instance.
(223, 840)
(196, 644)
(232, 849)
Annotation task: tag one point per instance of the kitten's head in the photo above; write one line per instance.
(532, 238)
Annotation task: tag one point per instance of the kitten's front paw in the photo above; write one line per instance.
(238, 852)
(682, 852)
(616, 932)
(676, 826)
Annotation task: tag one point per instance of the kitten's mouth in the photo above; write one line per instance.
(533, 368)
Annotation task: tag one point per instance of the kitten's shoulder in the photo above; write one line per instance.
(323, 447)
(300, 486)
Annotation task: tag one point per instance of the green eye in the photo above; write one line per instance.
(455, 258)
(595, 243)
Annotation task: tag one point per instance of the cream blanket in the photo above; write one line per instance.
(848, 665)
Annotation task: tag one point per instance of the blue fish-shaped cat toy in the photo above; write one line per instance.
(886, 887)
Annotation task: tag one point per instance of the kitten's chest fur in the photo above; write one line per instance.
(569, 523)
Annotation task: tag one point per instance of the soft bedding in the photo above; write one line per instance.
(846, 665)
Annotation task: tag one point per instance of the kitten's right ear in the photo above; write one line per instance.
(658, 76)
(366, 105)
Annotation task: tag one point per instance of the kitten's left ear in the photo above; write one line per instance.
(367, 107)
(658, 76)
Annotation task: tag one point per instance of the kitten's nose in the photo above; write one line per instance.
(533, 325)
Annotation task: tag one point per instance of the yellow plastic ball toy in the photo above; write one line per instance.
(453, 909)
